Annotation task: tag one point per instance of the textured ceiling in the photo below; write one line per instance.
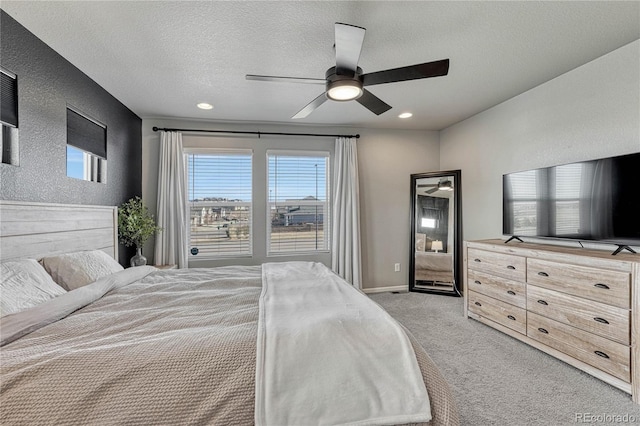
(161, 58)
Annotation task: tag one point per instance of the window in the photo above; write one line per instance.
(571, 198)
(428, 223)
(9, 117)
(298, 209)
(552, 201)
(219, 203)
(86, 148)
(525, 187)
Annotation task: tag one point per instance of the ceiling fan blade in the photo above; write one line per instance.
(431, 191)
(412, 72)
(349, 39)
(373, 103)
(426, 185)
(311, 106)
(276, 79)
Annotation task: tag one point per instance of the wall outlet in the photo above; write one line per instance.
(396, 267)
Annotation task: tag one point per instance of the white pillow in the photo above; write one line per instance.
(74, 270)
(25, 284)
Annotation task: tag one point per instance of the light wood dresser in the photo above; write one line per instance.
(581, 306)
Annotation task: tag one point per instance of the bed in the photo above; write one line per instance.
(435, 267)
(196, 346)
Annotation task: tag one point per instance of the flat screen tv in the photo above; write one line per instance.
(596, 200)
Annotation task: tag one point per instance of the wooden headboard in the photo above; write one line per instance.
(35, 230)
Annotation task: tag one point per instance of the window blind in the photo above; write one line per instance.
(567, 198)
(524, 189)
(86, 134)
(298, 202)
(8, 99)
(220, 193)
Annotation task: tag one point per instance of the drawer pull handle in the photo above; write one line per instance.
(511, 267)
(478, 304)
(602, 320)
(511, 317)
(602, 354)
(477, 260)
(600, 285)
(477, 282)
(513, 293)
(543, 274)
(542, 302)
(542, 330)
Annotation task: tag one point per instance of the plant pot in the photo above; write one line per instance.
(138, 259)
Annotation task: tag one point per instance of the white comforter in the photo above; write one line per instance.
(179, 347)
(316, 367)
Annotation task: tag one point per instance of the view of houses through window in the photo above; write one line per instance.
(219, 203)
(298, 208)
(220, 197)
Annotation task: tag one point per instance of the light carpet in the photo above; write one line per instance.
(498, 380)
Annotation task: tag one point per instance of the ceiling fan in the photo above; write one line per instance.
(443, 185)
(346, 82)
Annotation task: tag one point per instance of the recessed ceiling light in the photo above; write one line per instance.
(204, 105)
(405, 115)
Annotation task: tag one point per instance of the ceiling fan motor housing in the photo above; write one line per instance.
(343, 85)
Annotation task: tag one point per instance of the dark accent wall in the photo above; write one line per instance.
(47, 83)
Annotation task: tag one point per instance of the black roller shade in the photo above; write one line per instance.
(9, 100)
(86, 135)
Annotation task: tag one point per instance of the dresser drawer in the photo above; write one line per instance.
(605, 320)
(513, 292)
(502, 265)
(603, 354)
(601, 285)
(503, 313)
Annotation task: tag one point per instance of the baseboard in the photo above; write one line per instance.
(401, 288)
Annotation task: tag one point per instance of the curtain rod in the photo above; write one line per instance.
(155, 129)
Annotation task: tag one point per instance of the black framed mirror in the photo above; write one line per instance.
(436, 233)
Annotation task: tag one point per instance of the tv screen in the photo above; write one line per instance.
(590, 200)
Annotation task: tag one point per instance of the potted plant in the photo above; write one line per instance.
(135, 226)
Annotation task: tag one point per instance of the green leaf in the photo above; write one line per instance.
(135, 223)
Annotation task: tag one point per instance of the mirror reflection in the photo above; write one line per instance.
(435, 233)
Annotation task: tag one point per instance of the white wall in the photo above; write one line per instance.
(386, 159)
(590, 112)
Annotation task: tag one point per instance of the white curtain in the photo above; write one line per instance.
(345, 241)
(171, 242)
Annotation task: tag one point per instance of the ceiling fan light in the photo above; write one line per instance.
(344, 90)
(445, 186)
